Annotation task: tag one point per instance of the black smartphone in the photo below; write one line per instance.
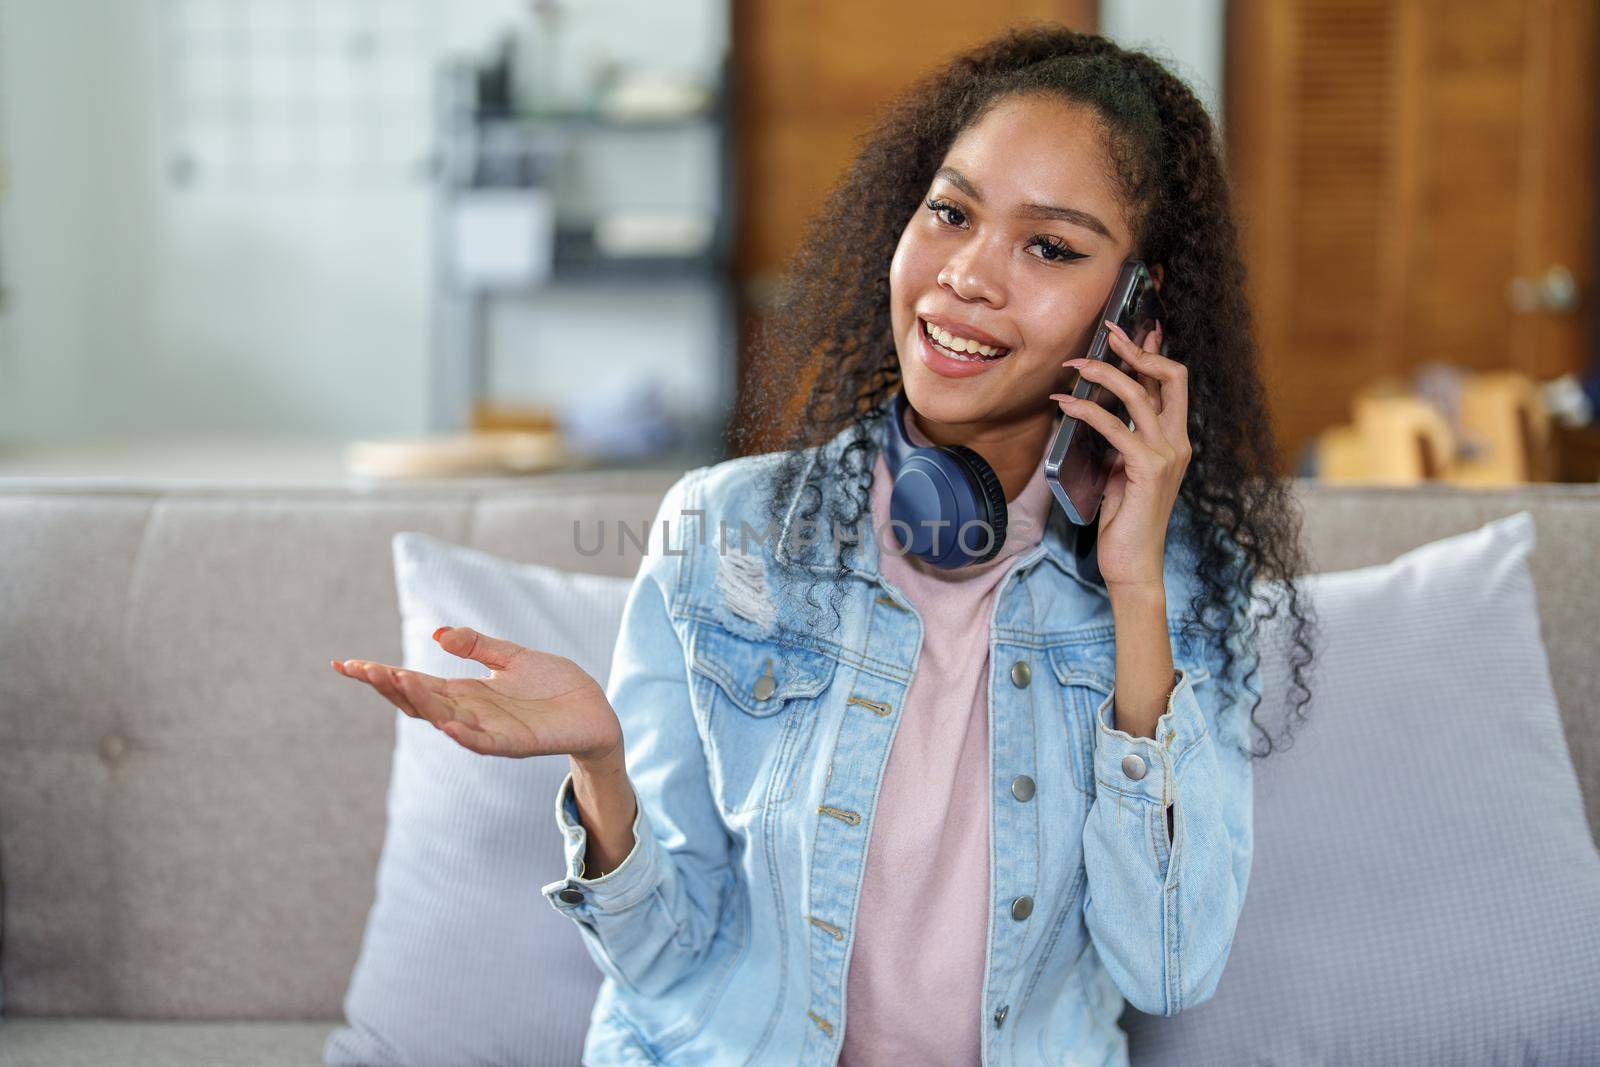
(1079, 459)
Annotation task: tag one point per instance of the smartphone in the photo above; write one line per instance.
(1079, 459)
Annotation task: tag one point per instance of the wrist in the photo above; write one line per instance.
(605, 801)
(606, 763)
(1137, 593)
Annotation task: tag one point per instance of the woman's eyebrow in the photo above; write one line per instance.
(1029, 211)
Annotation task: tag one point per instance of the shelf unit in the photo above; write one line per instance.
(476, 151)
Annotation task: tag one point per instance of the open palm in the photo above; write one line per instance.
(532, 704)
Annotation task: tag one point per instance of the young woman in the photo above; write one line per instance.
(973, 811)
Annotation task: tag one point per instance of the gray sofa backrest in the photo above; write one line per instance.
(192, 802)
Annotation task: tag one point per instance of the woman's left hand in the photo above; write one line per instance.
(1151, 458)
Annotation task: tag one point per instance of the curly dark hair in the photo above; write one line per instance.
(833, 310)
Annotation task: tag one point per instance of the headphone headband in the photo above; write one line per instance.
(897, 443)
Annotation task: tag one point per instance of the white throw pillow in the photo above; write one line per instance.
(463, 961)
(1425, 888)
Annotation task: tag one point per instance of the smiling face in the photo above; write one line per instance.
(1016, 246)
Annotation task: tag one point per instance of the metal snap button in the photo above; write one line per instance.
(1022, 787)
(1133, 765)
(1021, 674)
(1021, 908)
(765, 684)
(1000, 1016)
(571, 896)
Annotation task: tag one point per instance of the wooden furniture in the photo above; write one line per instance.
(1502, 436)
(1577, 452)
(1506, 419)
(1394, 439)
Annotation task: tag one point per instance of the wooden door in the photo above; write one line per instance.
(1415, 182)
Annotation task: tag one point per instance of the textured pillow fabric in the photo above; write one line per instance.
(1425, 887)
(463, 961)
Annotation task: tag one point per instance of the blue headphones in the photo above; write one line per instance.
(947, 497)
(938, 489)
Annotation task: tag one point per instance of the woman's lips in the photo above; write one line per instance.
(948, 366)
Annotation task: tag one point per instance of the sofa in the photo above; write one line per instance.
(192, 803)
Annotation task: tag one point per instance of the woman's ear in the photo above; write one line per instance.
(1155, 273)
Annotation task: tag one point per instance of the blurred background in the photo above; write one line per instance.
(336, 239)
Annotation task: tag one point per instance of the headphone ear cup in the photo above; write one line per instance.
(987, 490)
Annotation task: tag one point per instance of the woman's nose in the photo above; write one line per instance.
(971, 275)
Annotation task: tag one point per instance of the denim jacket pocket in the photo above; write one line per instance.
(758, 700)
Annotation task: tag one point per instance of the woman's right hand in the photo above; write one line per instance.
(532, 704)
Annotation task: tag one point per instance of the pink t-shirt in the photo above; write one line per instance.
(914, 992)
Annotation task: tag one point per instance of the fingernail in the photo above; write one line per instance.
(439, 631)
(1114, 327)
(1080, 361)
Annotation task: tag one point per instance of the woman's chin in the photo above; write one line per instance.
(953, 401)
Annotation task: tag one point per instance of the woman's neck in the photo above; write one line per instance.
(1012, 448)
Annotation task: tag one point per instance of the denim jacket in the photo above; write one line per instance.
(755, 748)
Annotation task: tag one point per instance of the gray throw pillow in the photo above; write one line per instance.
(1425, 887)
(463, 961)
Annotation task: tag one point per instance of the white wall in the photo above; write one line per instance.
(139, 307)
(45, 221)
(1185, 34)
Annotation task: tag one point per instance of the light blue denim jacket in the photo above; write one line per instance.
(755, 750)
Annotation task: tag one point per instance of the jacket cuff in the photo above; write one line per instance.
(633, 880)
(1149, 767)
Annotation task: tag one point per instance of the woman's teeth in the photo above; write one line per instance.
(960, 347)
